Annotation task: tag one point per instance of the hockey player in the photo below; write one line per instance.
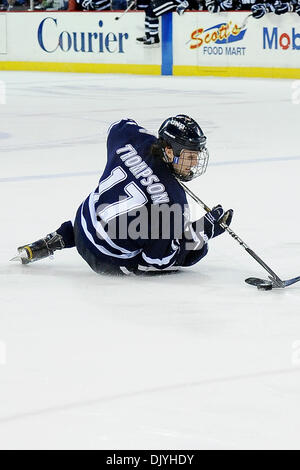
(258, 8)
(89, 5)
(137, 219)
(217, 6)
(153, 10)
(278, 7)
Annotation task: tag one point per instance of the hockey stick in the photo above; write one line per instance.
(125, 11)
(274, 280)
(245, 21)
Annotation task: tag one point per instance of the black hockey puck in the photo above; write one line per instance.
(265, 287)
(261, 284)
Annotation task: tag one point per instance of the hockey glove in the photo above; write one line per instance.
(282, 7)
(198, 233)
(296, 6)
(87, 4)
(182, 7)
(226, 5)
(259, 10)
(212, 220)
(212, 6)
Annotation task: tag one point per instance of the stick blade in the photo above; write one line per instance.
(16, 258)
(261, 284)
(255, 281)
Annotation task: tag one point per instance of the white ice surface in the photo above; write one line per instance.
(194, 360)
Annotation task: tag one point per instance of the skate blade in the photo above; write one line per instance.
(22, 257)
(19, 258)
(16, 258)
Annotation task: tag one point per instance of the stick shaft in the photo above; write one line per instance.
(235, 237)
(245, 21)
(127, 9)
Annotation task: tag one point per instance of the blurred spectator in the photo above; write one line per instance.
(52, 5)
(9, 5)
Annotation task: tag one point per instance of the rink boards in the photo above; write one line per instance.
(197, 43)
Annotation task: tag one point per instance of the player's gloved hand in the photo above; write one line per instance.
(226, 5)
(139, 5)
(282, 7)
(259, 10)
(182, 7)
(212, 6)
(295, 6)
(212, 220)
(96, 4)
(87, 4)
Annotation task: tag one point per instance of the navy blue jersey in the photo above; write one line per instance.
(136, 216)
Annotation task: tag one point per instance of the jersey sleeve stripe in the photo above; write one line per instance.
(99, 229)
(100, 247)
(152, 268)
(159, 261)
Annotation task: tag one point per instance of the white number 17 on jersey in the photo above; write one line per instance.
(135, 199)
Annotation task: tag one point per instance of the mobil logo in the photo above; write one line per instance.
(274, 39)
(222, 33)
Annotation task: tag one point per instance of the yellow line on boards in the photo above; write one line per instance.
(82, 68)
(262, 72)
(145, 69)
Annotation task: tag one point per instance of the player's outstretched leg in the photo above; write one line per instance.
(45, 247)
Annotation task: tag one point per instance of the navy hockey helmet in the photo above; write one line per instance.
(183, 135)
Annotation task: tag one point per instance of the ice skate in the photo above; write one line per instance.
(40, 249)
(141, 39)
(152, 41)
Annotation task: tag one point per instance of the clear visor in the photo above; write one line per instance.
(190, 164)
